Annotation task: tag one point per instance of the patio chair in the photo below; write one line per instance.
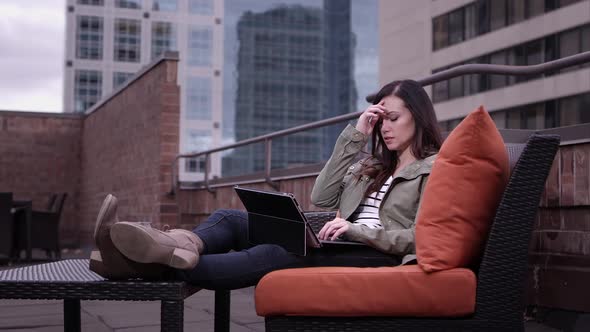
(500, 275)
(6, 225)
(44, 228)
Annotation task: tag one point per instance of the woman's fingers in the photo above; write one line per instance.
(333, 229)
(343, 228)
(329, 228)
(322, 232)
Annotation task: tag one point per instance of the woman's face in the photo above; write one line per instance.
(398, 127)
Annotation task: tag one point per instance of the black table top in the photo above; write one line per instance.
(72, 279)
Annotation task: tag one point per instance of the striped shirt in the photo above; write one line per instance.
(367, 213)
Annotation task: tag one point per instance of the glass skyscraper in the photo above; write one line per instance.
(294, 65)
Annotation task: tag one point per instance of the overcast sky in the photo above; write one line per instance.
(32, 43)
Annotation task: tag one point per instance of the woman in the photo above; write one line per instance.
(377, 199)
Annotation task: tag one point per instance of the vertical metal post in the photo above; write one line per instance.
(72, 315)
(268, 163)
(207, 170)
(28, 221)
(222, 307)
(267, 158)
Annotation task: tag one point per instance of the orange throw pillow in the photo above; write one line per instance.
(462, 194)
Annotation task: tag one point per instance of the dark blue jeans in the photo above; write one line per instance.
(230, 262)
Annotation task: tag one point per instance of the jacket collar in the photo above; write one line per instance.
(417, 168)
(413, 170)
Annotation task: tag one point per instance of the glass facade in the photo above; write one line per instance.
(131, 4)
(200, 46)
(537, 51)
(163, 38)
(201, 7)
(197, 140)
(87, 89)
(165, 5)
(288, 63)
(89, 35)
(198, 98)
(91, 2)
(127, 45)
(483, 16)
(119, 78)
(560, 112)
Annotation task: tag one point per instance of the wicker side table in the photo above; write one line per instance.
(72, 281)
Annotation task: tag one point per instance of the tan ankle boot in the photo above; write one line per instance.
(176, 248)
(108, 262)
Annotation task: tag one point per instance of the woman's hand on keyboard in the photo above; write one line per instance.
(333, 229)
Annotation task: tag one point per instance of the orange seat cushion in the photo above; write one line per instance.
(462, 194)
(353, 291)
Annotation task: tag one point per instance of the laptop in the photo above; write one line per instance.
(277, 218)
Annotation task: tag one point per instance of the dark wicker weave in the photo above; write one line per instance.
(501, 274)
(72, 281)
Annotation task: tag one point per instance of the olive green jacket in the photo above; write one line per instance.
(338, 187)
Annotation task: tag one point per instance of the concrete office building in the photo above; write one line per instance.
(421, 37)
(107, 41)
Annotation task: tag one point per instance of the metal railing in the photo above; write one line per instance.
(434, 78)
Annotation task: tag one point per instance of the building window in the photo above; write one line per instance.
(440, 91)
(497, 14)
(482, 8)
(200, 45)
(531, 53)
(119, 78)
(87, 89)
(163, 38)
(201, 7)
(456, 87)
(456, 26)
(532, 117)
(470, 21)
(197, 140)
(165, 5)
(91, 2)
(440, 31)
(535, 8)
(127, 40)
(131, 4)
(569, 44)
(482, 16)
(198, 94)
(516, 11)
(569, 111)
(586, 42)
(89, 32)
(499, 119)
(498, 81)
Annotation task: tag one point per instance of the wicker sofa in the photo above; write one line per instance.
(500, 275)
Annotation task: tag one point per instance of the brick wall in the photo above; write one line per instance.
(41, 156)
(129, 143)
(124, 146)
(560, 247)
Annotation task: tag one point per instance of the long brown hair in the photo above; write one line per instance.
(427, 138)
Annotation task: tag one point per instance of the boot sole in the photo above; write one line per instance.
(106, 205)
(139, 246)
